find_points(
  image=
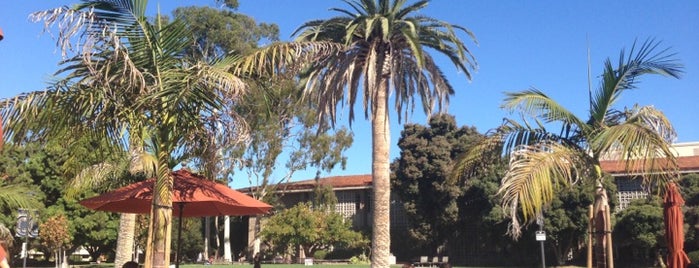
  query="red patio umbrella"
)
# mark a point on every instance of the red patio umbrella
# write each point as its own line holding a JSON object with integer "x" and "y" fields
{"x": 193, "y": 196}
{"x": 674, "y": 229}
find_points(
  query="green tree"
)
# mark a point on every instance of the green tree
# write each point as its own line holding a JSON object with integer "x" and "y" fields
{"x": 566, "y": 219}
{"x": 541, "y": 161}
{"x": 47, "y": 167}
{"x": 689, "y": 188}
{"x": 380, "y": 47}
{"x": 192, "y": 242}
{"x": 640, "y": 232}
{"x": 129, "y": 83}
{"x": 311, "y": 230}
{"x": 220, "y": 32}
{"x": 279, "y": 123}
{"x": 16, "y": 187}
{"x": 421, "y": 179}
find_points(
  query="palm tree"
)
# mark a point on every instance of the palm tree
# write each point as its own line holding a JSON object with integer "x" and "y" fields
{"x": 542, "y": 161}
{"x": 128, "y": 82}
{"x": 379, "y": 46}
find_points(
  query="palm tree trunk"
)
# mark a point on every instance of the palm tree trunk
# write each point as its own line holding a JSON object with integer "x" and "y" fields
{"x": 603, "y": 257}
{"x": 160, "y": 227}
{"x": 381, "y": 231}
{"x": 125, "y": 239}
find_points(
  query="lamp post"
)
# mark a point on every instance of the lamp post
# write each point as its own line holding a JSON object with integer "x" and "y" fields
{"x": 541, "y": 237}
{"x": 26, "y": 228}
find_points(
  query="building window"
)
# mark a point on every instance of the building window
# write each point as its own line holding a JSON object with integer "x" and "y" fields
{"x": 345, "y": 203}
{"x": 629, "y": 189}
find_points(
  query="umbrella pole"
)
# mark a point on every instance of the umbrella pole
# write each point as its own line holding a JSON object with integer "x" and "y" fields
{"x": 179, "y": 237}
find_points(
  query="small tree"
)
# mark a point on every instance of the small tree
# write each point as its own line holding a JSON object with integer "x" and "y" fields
{"x": 55, "y": 236}
{"x": 310, "y": 230}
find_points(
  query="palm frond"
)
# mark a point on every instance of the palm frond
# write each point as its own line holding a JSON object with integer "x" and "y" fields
{"x": 470, "y": 162}
{"x": 90, "y": 177}
{"x": 14, "y": 196}
{"x": 616, "y": 80}
{"x": 638, "y": 144}
{"x": 536, "y": 104}
{"x": 283, "y": 58}
{"x": 536, "y": 172}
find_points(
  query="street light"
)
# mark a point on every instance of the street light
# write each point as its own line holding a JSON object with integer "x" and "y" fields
{"x": 541, "y": 237}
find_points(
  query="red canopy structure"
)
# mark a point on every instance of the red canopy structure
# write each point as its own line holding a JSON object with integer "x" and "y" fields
{"x": 674, "y": 228}
{"x": 193, "y": 196}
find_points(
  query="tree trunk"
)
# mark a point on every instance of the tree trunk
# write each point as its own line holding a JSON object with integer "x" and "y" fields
{"x": 603, "y": 254}
{"x": 160, "y": 226}
{"x": 64, "y": 259}
{"x": 256, "y": 232}
{"x": 227, "y": 239}
{"x": 125, "y": 239}
{"x": 207, "y": 237}
{"x": 381, "y": 200}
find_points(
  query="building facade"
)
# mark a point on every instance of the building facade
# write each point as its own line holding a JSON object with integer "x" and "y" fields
{"x": 630, "y": 186}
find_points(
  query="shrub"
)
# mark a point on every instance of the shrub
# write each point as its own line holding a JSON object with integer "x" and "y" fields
{"x": 320, "y": 254}
{"x": 694, "y": 258}
{"x": 360, "y": 259}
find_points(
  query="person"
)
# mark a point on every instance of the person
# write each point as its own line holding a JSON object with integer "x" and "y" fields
{"x": 4, "y": 263}
{"x": 130, "y": 264}
{"x": 5, "y": 241}
{"x": 257, "y": 260}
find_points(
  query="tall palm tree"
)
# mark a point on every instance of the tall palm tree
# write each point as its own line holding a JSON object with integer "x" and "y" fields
{"x": 128, "y": 82}
{"x": 543, "y": 161}
{"x": 378, "y": 48}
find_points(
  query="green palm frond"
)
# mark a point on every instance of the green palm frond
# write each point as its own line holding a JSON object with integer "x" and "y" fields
{"x": 382, "y": 38}
{"x": 13, "y": 196}
{"x": 641, "y": 144}
{"x": 541, "y": 161}
{"x": 536, "y": 104}
{"x": 616, "y": 80}
{"x": 482, "y": 153}
{"x": 284, "y": 58}
{"x": 89, "y": 178}
{"x": 535, "y": 173}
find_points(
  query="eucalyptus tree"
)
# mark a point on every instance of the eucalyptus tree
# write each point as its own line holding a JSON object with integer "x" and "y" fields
{"x": 542, "y": 161}
{"x": 127, "y": 81}
{"x": 218, "y": 32}
{"x": 373, "y": 49}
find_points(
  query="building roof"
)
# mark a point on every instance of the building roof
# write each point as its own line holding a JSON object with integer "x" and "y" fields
{"x": 346, "y": 182}
{"x": 687, "y": 164}
{"x": 337, "y": 182}
{"x": 687, "y": 159}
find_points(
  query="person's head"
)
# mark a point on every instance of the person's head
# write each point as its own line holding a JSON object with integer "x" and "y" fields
{"x": 6, "y": 238}
{"x": 130, "y": 264}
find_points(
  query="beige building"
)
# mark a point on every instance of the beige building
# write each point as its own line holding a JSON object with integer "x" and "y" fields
{"x": 629, "y": 185}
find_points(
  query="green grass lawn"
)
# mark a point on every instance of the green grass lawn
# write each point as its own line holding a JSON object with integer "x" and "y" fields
{"x": 237, "y": 265}
{"x": 280, "y": 266}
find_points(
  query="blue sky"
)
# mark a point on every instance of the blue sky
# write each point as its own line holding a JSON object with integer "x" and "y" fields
{"x": 521, "y": 44}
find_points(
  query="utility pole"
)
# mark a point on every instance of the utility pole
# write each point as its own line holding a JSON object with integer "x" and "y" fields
{"x": 541, "y": 237}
